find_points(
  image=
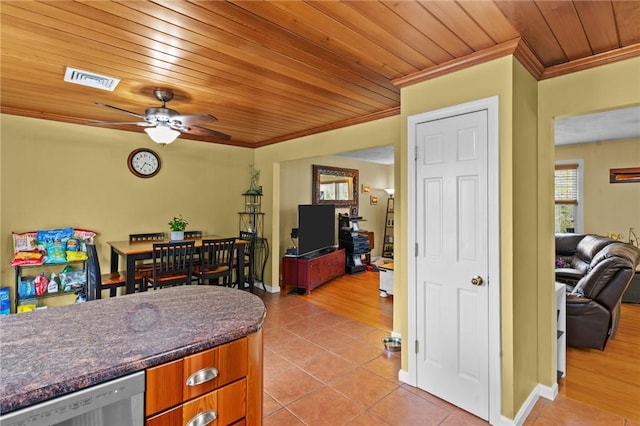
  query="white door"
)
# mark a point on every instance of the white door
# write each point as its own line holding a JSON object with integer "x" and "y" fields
{"x": 452, "y": 309}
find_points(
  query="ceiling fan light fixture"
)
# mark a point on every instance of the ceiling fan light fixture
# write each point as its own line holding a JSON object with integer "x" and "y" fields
{"x": 162, "y": 134}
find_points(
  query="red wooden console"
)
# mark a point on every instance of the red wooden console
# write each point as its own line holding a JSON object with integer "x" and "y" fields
{"x": 309, "y": 273}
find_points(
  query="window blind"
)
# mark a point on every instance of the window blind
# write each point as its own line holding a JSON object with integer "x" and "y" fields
{"x": 566, "y": 184}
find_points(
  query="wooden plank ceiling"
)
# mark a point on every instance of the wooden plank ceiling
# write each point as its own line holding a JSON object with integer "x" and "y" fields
{"x": 274, "y": 70}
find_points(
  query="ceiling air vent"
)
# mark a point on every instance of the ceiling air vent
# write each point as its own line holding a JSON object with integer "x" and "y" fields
{"x": 86, "y": 78}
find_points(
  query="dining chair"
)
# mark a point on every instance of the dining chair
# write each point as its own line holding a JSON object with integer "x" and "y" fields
{"x": 192, "y": 234}
{"x": 144, "y": 267}
{"x": 150, "y": 236}
{"x": 97, "y": 281}
{"x": 216, "y": 261}
{"x": 172, "y": 264}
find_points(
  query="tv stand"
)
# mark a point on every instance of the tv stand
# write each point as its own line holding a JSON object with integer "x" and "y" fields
{"x": 309, "y": 272}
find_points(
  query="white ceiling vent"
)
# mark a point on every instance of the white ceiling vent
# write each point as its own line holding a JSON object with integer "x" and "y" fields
{"x": 86, "y": 78}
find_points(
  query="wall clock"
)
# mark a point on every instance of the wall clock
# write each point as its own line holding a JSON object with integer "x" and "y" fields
{"x": 143, "y": 162}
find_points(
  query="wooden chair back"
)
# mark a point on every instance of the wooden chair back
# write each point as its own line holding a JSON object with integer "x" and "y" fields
{"x": 251, "y": 237}
{"x": 192, "y": 234}
{"x": 151, "y": 236}
{"x": 172, "y": 263}
{"x": 216, "y": 260}
{"x": 97, "y": 281}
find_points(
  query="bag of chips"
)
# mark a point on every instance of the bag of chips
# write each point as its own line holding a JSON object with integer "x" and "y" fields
{"x": 74, "y": 252}
{"x": 54, "y": 242}
{"x": 25, "y": 249}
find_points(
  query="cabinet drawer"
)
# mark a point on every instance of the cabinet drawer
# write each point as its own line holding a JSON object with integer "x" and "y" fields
{"x": 175, "y": 382}
{"x": 164, "y": 386}
{"x": 227, "y": 404}
{"x": 200, "y": 373}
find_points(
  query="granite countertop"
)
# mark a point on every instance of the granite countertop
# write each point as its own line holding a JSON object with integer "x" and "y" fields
{"x": 48, "y": 353}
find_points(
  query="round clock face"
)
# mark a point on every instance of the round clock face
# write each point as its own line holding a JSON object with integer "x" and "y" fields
{"x": 144, "y": 163}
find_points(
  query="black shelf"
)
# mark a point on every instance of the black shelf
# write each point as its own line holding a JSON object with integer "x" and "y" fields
{"x": 355, "y": 245}
{"x": 252, "y": 219}
{"x": 387, "y": 238}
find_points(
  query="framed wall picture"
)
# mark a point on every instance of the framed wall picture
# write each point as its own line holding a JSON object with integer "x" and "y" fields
{"x": 354, "y": 211}
{"x": 629, "y": 174}
{"x": 374, "y": 200}
{"x": 365, "y": 188}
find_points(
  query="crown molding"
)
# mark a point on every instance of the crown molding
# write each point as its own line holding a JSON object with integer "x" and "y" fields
{"x": 479, "y": 57}
{"x": 609, "y": 57}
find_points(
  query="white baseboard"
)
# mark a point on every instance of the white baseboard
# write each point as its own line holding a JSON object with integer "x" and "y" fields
{"x": 547, "y": 392}
{"x": 269, "y": 288}
{"x": 524, "y": 411}
{"x": 404, "y": 377}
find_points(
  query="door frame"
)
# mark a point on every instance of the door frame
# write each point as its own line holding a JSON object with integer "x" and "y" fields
{"x": 491, "y": 105}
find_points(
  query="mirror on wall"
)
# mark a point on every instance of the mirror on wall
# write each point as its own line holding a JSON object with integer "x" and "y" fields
{"x": 335, "y": 185}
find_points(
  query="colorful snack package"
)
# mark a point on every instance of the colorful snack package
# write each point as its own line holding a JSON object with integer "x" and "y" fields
{"x": 54, "y": 242}
{"x": 25, "y": 249}
{"x": 56, "y": 252}
{"x": 24, "y": 241}
{"x": 75, "y": 256}
{"x": 84, "y": 235}
{"x": 74, "y": 252}
{"x": 34, "y": 257}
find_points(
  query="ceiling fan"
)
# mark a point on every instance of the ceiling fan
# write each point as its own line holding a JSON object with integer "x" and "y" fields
{"x": 163, "y": 124}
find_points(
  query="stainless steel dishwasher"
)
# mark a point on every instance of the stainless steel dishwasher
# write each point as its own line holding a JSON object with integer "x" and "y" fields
{"x": 119, "y": 402}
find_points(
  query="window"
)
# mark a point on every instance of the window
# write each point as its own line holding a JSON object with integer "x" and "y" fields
{"x": 568, "y": 211}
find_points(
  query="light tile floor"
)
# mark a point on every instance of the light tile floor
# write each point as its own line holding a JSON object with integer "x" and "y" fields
{"x": 324, "y": 369}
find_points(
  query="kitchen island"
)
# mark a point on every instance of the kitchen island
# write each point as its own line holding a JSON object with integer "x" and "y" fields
{"x": 49, "y": 353}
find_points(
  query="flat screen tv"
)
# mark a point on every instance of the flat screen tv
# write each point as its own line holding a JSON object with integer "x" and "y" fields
{"x": 316, "y": 228}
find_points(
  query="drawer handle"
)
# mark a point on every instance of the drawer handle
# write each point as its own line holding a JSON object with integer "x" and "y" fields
{"x": 202, "y": 376}
{"x": 202, "y": 419}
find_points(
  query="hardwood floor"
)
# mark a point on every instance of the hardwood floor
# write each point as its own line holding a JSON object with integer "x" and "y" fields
{"x": 356, "y": 297}
{"x": 608, "y": 380}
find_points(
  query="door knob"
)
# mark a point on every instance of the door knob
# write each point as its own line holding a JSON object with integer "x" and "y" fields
{"x": 477, "y": 280}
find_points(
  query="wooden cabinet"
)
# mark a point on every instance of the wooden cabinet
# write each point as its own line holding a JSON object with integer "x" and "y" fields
{"x": 224, "y": 406}
{"x": 309, "y": 273}
{"x": 223, "y": 383}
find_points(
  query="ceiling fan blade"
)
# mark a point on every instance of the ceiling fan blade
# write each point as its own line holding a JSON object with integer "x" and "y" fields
{"x": 201, "y": 131}
{"x": 188, "y": 119}
{"x": 119, "y": 123}
{"x": 121, "y": 110}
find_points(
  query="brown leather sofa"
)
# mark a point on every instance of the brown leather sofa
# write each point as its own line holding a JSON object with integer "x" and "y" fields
{"x": 596, "y": 271}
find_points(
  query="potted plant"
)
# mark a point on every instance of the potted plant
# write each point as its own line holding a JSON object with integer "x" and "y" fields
{"x": 178, "y": 225}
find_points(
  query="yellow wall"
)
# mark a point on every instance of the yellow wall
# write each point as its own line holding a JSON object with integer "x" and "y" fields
{"x": 271, "y": 160}
{"x": 57, "y": 175}
{"x": 607, "y": 207}
{"x": 605, "y": 87}
{"x": 295, "y": 188}
{"x": 527, "y": 315}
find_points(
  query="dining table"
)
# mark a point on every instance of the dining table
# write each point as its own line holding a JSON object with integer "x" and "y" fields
{"x": 133, "y": 251}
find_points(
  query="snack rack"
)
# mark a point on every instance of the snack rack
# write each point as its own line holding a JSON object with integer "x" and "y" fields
{"x": 25, "y": 279}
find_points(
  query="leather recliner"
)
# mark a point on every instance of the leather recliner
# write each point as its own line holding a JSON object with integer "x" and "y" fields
{"x": 596, "y": 275}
